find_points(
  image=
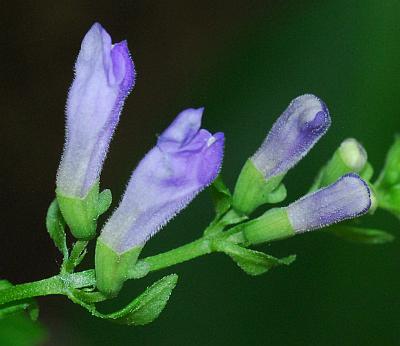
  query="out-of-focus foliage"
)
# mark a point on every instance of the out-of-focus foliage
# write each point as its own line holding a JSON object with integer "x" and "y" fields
{"x": 19, "y": 330}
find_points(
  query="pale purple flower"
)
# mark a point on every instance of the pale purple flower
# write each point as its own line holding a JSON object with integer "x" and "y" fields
{"x": 185, "y": 160}
{"x": 104, "y": 76}
{"x": 347, "y": 198}
{"x": 292, "y": 136}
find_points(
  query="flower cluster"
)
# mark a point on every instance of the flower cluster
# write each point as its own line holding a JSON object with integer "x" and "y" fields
{"x": 185, "y": 160}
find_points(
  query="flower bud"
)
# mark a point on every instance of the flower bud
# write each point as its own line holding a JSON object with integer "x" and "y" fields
{"x": 292, "y": 136}
{"x": 353, "y": 154}
{"x": 349, "y": 157}
{"x": 185, "y": 160}
{"x": 104, "y": 76}
{"x": 347, "y": 198}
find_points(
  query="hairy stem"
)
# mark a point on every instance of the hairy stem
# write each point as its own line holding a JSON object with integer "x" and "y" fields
{"x": 181, "y": 254}
{"x": 55, "y": 285}
{"x": 60, "y": 284}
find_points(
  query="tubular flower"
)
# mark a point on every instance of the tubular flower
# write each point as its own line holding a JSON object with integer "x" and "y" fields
{"x": 292, "y": 136}
{"x": 104, "y": 76}
{"x": 347, "y": 198}
{"x": 184, "y": 161}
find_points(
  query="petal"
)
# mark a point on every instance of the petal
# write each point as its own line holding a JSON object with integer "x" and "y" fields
{"x": 183, "y": 128}
{"x": 165, "y": 182}
{"x": 292, "y": 136}
{"x": 347, "y": 198}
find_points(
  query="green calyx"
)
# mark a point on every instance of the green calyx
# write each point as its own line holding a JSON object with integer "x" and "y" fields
{"x": 253, "y": 190}
{"x": 81, "y": 214}
{"x": 272, "y": 225}
{"x": 112, "y": 268}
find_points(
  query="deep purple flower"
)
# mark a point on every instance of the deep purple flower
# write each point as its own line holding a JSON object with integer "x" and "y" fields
{"x": 347, "y": 198}
{"x": 185, "y": 160}
{"x": 104, "y": 76}
{"x": 292, "y": 136}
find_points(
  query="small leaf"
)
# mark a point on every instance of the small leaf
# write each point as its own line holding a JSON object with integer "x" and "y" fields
{"x": 253, "y": 262}
{"x": 142, "y": 310}
{"x": 105, "y": 199}
{"x": 221, "y": 196}
{"x": 148, "y": 306}
{"x": 362, "y": 235}
{"x": 55, "y": 225}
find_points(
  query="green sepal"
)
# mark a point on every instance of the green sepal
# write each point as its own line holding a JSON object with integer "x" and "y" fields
{"x": 253, "y": 262}
{"x": 55, "y": 225}
{"x": 221, "y": 196}
{"x": 272, "y": 225}
{"x": 112, "y": 268}
{"x": 253, "y": 190}
{"x": 143, "y": 309}
{"x": 28, "y": 305}
{"x": 104, "y": 202}
{"x": 80, "y": 214}
{"x": 362, "y": 235}
{"x": 276, "y": 196}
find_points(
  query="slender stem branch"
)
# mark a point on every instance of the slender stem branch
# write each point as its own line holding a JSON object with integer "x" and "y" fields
{"x": 181, "y": 254}
{"x": 77, "y": 253}
{"x": 62, "y": 283}
{"x": 55, "y": 285}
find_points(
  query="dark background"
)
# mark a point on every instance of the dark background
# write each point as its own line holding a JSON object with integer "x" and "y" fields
{"x": 244, "y": 61}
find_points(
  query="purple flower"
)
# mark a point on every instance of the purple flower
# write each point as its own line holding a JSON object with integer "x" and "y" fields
{"x": 185, "y": 160}
{"x": 347, "y": 198}
{"x": 292, "y": 136}
{"x": 104, "y": 76}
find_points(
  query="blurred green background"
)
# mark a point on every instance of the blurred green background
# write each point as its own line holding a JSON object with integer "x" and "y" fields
{"x": 244, "y": 61}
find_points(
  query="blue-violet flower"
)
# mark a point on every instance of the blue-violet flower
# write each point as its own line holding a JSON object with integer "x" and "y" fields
{"x": 347, "y": 198}
{"x": 104, "y": 76}
{"x": 185, "y": 160}
{"x": 292, "y": 136}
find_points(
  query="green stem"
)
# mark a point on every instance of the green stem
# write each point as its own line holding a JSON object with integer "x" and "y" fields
{"x": 181, "y": 254}
{"x": 62, "y": 283}
{"x": 77, "y": 254}
{"x": 55, "y": 285}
